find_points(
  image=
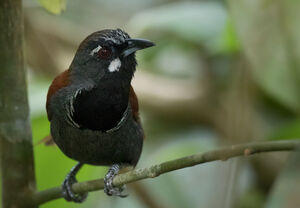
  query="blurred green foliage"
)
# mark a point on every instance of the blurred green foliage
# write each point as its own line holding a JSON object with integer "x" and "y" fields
{"x": 285, "y": 192}
{"x": 54, "y": 6}
{"x": 200, "y": 23}
{"x": 270, "y": 38}
{"x": 252, "y": 199}
{"x": 291, "y": 130}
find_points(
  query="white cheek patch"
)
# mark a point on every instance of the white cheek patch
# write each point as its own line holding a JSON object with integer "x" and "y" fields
{"x": 114, "y": 65}
{"x": 95, "y": 50}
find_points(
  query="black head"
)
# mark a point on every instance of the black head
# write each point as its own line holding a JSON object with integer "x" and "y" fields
{"x": 107, "y": 53}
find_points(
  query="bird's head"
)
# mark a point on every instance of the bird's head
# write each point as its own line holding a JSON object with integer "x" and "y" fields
{"x": 107, "y": 53}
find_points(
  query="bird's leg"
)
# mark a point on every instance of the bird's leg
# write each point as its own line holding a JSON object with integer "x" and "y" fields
{"x": 109, "y": 189}
{"x": 70, "y": 179}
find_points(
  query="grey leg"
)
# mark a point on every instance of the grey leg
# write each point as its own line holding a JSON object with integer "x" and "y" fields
{"x": 70, "y": 179}
{"x": 109, "y": 189}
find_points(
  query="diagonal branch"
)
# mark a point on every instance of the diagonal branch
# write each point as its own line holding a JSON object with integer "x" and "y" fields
{"x": 156, "y": 170}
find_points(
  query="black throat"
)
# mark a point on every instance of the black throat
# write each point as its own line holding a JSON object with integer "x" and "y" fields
{"x": 102, "y": 107}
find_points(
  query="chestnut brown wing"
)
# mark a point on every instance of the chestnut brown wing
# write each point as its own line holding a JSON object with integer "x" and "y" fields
{"x": 61, "y": 81}
{"x": 134, "y": 104}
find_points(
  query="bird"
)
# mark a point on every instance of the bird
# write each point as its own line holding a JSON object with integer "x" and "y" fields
{"x": 93, "y": 109}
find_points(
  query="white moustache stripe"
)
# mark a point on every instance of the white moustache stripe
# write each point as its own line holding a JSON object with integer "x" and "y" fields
{"x": 114, "y": 65}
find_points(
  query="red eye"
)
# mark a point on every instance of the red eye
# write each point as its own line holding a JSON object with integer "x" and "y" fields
{"x": 104, "y": 53}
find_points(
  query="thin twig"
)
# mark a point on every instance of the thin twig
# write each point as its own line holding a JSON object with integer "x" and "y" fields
{"x": 156, "y": 170}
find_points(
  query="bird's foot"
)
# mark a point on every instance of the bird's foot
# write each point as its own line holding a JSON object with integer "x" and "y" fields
{"x": 109, "y": 189}
{"x": 67, "y": 192}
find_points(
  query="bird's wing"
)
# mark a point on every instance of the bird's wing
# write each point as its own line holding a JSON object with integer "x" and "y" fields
{"x": 134, "y": 105}
{"x": 61, "y": 81}
{"x": 135, "y": 108}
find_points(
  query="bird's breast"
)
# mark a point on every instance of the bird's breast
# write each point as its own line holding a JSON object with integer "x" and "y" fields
{"x": 99, "y": 148}
{"x": 102, "y": 107}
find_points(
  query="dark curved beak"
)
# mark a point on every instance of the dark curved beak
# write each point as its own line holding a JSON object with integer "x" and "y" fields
{"x": 134, "y": 45}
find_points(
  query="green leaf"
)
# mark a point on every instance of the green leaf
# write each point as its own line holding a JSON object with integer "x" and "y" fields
{"x": 54, "y": 6}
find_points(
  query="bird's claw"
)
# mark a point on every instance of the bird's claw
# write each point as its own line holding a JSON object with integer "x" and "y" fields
{"x": 109, "y": 189}
{"x": 67, "y": 192}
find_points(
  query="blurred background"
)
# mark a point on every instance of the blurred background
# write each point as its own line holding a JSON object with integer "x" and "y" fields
{"x": 222, "y": 72}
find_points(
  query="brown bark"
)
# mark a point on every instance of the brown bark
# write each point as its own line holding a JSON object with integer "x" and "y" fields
{"x": 17, "y": 165}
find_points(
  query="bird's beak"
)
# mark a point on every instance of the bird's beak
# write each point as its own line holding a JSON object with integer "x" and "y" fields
{"x": 134, "y": 45}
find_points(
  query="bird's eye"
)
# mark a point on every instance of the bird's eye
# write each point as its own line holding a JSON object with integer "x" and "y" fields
{"x": 104, "y": 53}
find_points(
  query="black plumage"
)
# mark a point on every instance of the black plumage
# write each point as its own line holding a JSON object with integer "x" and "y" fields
{"x": 93, "y": 109}
{"x": 102, "y": 107}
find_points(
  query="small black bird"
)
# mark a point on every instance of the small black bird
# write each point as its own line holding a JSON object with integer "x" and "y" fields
{"x": 93, "y": 108}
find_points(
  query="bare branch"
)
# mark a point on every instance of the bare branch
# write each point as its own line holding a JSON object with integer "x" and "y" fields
{"x": 156, "y": 170}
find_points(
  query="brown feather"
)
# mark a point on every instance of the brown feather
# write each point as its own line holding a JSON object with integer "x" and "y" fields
{"x": 48, "y": 141}
{"x": 61, "y": 81}
{"x": 134, "y": 104}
